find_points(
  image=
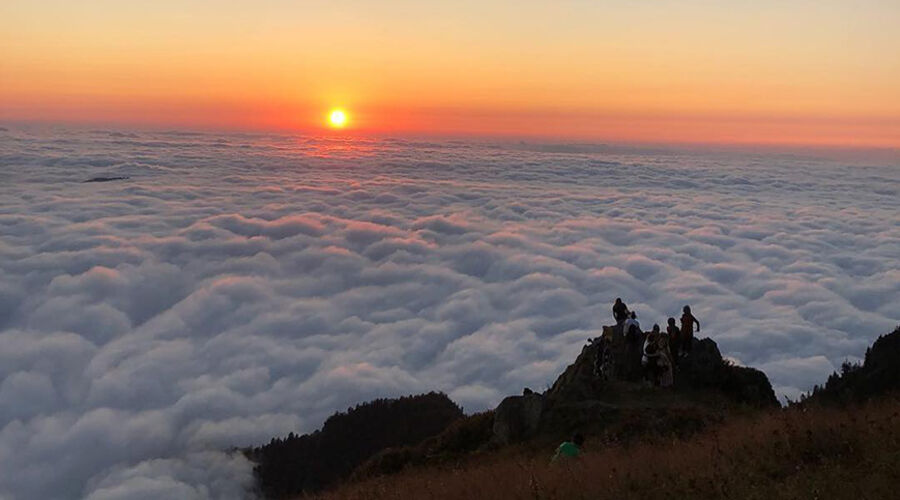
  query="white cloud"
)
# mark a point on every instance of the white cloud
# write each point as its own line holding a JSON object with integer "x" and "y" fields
{"x": 224, "y": 295}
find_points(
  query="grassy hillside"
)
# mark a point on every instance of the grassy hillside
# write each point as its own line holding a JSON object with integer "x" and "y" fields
{"x": 717, "y": 433}
{"x": 824, "y": 452}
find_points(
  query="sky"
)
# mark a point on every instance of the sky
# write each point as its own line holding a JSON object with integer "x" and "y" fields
{"x": 820, "y": 72}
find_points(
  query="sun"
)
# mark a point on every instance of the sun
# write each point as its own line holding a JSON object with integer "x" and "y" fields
{"x": 337, "y": 118}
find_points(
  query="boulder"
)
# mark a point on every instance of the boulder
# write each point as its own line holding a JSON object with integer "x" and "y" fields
{"x": 605, "y": 378}
{"x": 705, "y": 368}
{"x": 580, "y": 380}
{"x": 702, "y": 366}
{"x": 517, "y": 418}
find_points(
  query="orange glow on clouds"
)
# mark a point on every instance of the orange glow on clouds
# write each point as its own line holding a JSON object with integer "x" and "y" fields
{"x": 769, "y": 72}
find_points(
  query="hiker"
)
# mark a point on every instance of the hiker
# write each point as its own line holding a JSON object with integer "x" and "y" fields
{"x": 650, "y": 356}
{"x": 664, "y": 363}
{"x": 620, "y": 311}
{"x": 674, "y": 339}
{"x": 634, "y": 339}
{"x": 609, "y": 344}
{"x": 631, "y": 328}
{"x": 569, "y": 449}
{"x": 687, "y": 329}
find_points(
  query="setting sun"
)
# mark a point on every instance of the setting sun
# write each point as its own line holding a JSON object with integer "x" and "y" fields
{"x": 337, "y": 118}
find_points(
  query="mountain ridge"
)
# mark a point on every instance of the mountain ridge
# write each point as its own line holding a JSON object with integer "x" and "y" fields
{"x": 434, "y": 429}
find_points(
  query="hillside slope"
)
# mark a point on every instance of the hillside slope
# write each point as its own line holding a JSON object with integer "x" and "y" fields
{"x": 829, "y": 452}
{"x": 386, "y": 436}
{"x": 846, "y": 449}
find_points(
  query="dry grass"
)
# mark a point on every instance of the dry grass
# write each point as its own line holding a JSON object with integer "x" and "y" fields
{"x": 790, "y": 454}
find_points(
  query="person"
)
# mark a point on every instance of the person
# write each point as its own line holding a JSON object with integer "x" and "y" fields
{"x": 620, "y": 311}
{"x": 674, "y": 339}
{"x": 569, "y": 449}
{"x": 650, "y": 356}
{"x": 634, "y": 339}
{"x": 631, "y": 327}
{"x": 608, "y": 344}
{"x": 665, "y": 366}
{"x": 687, "y": 329}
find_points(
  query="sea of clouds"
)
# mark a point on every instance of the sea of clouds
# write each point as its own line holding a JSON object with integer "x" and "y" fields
{"x": 240, "y": 287}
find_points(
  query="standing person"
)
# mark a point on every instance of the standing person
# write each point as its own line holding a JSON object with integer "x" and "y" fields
{"x": 634, "y": 339}
{"x": 664, "y": 365}
{"x": 674, "y": 339}
{"x": 651, "y": 356}
{"x": 631, "y": 328}
{"x": 687, "y": 329}
{"x": 620, "y": 311}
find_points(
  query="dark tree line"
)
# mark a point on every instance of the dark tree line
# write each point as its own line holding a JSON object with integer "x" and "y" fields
{"x": 878, "y": 374}
{"x": 310, "y": 462}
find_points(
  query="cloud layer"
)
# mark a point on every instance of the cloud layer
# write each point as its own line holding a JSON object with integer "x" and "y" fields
{"x": 240, "y": 287}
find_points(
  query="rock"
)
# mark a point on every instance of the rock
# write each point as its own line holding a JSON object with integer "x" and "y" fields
{"x": 701, "y": 366}
{"x": 704, "y": 368}
{"x": 748, "y": 385}
{"x": 517, "y": 418}
{"x": 591, "y": 377}
{"x": 579, "y": 381}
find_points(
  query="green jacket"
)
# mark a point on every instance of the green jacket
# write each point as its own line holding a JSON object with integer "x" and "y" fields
{"x": 566, "y": 450}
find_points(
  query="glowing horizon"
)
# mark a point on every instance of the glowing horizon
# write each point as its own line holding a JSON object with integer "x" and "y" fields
{"x": 810, "y": 73}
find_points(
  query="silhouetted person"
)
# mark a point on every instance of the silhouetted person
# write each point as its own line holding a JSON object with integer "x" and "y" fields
{"x": 634, "y": 339}
{"x": 620, "y": 311}
{"x": 569, "y": 449}
{"x": 687, "y": 329}
{"x": 631, "y": 328}
{"x": 651, "y": 355}
{"x": 674, "y": 339}
{"x": 664, "y": 364}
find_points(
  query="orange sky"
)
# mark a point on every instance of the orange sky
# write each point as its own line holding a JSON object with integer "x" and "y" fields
{"x": 815, "y": 72}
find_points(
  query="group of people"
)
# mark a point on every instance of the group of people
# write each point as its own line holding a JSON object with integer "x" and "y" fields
{"x": 659, "y": 350}
{"x": 659, "y": 353}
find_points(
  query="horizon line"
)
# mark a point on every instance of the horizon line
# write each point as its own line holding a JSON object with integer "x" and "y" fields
{"x": 526, "y": 138}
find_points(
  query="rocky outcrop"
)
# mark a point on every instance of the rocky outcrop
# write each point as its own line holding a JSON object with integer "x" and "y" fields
{"x": 580, "y": 381}
{"x": 595, "y": 389}
{"x": 706, "y": 369}
{"x": 517, "y": 418}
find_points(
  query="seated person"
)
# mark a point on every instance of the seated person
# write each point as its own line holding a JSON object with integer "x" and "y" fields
{"x": 569, "y": 449}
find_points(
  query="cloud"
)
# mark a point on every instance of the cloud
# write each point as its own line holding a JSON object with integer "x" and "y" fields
{"x": 197, "y": 476}
{"x": 241, "y": 287}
